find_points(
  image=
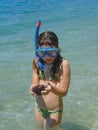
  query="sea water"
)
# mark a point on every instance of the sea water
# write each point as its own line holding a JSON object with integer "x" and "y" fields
{"x": 76, "y": 24}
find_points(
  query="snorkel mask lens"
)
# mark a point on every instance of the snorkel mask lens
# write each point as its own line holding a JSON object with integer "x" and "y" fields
{"x": 43, "y": 52}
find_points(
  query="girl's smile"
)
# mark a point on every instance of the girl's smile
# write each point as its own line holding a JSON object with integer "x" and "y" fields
{"x": 48, "y": 60}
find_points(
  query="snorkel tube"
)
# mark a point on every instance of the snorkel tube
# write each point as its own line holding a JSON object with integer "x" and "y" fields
{"x": 38, "y": 24}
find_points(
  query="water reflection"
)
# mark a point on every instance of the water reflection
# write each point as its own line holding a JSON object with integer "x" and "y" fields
{"x": 72, "y": 126}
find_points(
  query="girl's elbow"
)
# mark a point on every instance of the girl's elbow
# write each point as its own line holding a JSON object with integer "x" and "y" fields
{"x": 64, "y": 93}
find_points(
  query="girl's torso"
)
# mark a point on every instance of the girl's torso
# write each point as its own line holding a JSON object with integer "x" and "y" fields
{"x": 51, "y": 101}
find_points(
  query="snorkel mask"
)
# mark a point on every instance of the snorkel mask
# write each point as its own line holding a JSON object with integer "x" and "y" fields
{"x": 42, "y": 52}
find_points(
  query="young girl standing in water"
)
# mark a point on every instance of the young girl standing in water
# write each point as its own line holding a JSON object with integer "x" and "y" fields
{"x": 50, "y": 81}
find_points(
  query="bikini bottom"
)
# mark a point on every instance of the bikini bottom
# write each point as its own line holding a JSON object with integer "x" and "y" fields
{"x": 47, "y": 113}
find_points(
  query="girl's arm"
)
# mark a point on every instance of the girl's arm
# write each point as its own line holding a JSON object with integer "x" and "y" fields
{"x": 35, "y": 78}
{"x": 61, "y": 88}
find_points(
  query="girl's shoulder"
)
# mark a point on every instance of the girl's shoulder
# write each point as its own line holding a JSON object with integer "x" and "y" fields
{"x": 65, "y": 62}
{"x": 65, "y": 65}
{"x": 35, "y": 60}
{"x": 35, "y": 63}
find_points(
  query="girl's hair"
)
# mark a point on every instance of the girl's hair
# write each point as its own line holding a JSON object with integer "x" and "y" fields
{"x": 47, "y": 38}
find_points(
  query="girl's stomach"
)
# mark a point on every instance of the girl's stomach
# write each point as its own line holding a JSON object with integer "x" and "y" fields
{"x": 50, "y": 102}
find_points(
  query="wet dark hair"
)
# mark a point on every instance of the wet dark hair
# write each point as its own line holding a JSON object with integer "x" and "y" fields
{"x": 47, "y": 38}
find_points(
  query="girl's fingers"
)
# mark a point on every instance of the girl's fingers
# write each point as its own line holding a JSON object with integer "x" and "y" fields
{"x": 50, "y": 84}
{"x": 34, "y": 94}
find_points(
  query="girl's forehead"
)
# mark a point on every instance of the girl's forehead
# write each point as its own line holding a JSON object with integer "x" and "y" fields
{"x": 44, "y": 45}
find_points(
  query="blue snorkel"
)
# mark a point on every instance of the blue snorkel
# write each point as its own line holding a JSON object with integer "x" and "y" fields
{"x": 36, "y": 34}
{"x": 38, "y": 24}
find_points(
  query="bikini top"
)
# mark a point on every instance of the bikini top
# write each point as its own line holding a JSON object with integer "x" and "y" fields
{"x": 47, "y": 74}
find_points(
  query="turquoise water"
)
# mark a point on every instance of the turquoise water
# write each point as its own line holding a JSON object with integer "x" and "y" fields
{"x": 76, "y": 24}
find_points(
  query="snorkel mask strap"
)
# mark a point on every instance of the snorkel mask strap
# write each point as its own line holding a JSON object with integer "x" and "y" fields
{"x": 38, "y": 24}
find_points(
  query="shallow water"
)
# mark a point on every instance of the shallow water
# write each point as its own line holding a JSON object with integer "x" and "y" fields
{"x": 76, "y": 24}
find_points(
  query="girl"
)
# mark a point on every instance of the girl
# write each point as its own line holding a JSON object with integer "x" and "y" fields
{"x": 52, "y": 72}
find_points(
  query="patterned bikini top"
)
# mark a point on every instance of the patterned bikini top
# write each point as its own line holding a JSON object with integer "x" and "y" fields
{"x": 47, "y": 74}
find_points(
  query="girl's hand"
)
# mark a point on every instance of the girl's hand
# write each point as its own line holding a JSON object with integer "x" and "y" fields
{"x": 48, "y": 88}
{"x": 31, "y": 90}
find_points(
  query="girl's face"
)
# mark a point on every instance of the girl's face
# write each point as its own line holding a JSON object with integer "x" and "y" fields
{"x": 47, "y": 53}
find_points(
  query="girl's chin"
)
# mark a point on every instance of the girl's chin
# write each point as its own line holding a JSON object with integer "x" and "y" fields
{"x": 48, "y": 60}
